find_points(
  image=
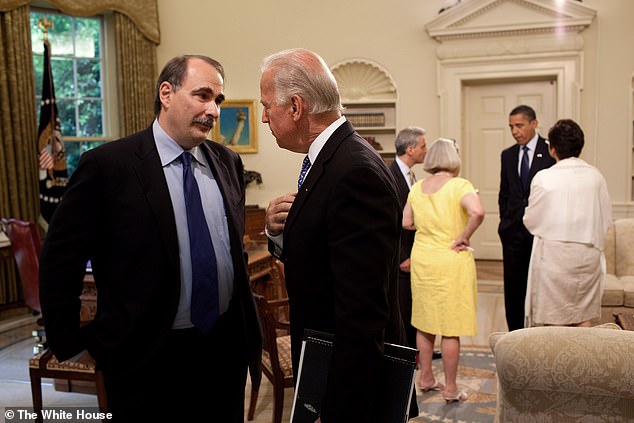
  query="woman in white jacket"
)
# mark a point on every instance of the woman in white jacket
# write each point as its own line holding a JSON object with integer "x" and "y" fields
{"x": 568, "y": 213}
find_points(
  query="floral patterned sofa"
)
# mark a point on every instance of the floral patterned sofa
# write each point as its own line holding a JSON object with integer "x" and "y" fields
{"x": 618, "y": 295}
{"x": 565, "y": 374}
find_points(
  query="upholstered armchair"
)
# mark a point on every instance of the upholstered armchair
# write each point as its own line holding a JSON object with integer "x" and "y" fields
{"x": 618, "y": 296}
{"x": 565, "y": 374}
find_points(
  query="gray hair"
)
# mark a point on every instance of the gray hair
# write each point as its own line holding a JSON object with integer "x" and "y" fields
{"x": 443, "y": 154}
{"x": 304, "y": 73}
{"x": 407, "y": 137}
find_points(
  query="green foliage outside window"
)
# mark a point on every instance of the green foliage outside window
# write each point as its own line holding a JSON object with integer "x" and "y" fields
{"x": 76, "y": 65}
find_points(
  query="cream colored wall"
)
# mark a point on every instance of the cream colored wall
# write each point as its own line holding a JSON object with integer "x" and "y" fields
{"x": 606, "y": 100}
{"x": 240, "y": 34}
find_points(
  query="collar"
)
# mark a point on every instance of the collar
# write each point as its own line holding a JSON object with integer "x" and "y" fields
{"x": 169, "y": 150}
{"x": 532, "y": 144}
{"x": 571, "y": 162}
{"x": 320, "y": 141}
{"x": 401, "y": 165}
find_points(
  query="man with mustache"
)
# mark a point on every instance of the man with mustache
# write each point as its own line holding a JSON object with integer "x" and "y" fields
{"x": 160, "y": 214}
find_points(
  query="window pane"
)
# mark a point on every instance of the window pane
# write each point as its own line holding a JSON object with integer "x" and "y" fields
{"x": 38, "y": 68}
{"x": 77, "y": 71}
{"x": 63, "y": 79}
{"x": 87, "y": 38}
{"x": 66, "y": 109}
{"x": 90, "y": 118}
{"x": 61, "y": 35}
{"x": 75, "y": 149}
{"x": 36, "y": 34}
{"x": 88, "y": 78}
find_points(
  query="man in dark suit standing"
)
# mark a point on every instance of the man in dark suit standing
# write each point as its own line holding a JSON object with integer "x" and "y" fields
{"x": 338, "y": 236}
{"x": 520, "y": 163}
{"x": 411, "y": 148}
{"x": 128, "y": 210}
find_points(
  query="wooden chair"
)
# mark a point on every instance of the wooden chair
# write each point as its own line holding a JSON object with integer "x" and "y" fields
{"x": 276, "y": 355}
{"x": 25, "y": 244}
{"x": 278, "y": 267}
{"x": 46, "y": 365}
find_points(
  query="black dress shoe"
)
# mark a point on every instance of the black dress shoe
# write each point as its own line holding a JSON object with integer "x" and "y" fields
{"x": 436, "y": 355}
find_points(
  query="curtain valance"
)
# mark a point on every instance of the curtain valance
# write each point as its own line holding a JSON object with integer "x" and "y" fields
{"x": 144, "y": 13}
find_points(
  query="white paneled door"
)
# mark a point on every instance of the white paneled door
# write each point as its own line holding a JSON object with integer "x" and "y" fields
{"x": 486, "y": 133}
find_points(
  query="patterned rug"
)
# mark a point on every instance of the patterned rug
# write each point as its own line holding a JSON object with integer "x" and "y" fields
{"x": 477, "y": 377}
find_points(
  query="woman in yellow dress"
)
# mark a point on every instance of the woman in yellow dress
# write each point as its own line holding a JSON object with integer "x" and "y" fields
{"x": 445, "y": 211}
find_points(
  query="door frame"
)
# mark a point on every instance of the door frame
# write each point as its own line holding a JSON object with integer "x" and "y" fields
{"x": 454, "y": 74}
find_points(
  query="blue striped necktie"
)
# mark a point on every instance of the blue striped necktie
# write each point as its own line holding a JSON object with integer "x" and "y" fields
{"x": 204, "y": 299}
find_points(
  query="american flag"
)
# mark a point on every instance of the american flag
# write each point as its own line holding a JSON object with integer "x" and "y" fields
{"x": 52, "y": 154}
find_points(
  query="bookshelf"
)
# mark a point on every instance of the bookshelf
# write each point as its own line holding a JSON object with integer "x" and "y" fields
{"x": 374, "y": 121}
{"x": 369, "y": 97}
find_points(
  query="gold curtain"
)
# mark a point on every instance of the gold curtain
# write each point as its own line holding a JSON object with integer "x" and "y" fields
{"x": 136, "y": 73}
{"x": 19, "y": 196}
{"x": 137, "y": 34}
{"x": 18, "y": 155}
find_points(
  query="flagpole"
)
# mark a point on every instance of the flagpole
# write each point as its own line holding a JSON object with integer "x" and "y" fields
{"x": 44, "y": 24}
{"x": 52, "y": 154}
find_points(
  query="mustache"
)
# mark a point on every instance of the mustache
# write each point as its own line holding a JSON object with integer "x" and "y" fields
{"x": 204, "y": 121}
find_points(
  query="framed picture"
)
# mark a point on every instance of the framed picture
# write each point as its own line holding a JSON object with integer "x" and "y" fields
{"x": 236, "y": 127}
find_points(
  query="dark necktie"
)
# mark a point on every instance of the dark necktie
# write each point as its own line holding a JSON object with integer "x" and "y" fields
{"x": 524, "y": 168}
{"x": 204, "y": 299}
{"x": 303, "y": 172}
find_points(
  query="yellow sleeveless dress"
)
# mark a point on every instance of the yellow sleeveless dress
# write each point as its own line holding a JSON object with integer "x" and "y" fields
{"x": 444, "y": 284}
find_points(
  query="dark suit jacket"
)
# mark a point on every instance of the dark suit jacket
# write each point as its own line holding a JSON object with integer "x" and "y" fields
{"x": 117, "y": 212}
{"x": 513, "y": 199}
{"x": 341, "y": 259}
{"x": 407, "y": 237}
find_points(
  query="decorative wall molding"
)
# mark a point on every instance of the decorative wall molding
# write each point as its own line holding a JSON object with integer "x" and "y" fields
{"x": 509, "y": 18}
{"x": 509, "y": 46}
{"x": 453, "y": 75}
{"x": 621, "y": 210}
{"x": 488, "y": 40}
{"x": 364, "y": 80}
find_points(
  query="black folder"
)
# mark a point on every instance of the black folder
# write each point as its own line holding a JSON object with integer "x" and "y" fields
{"x": 397, "y": 380}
